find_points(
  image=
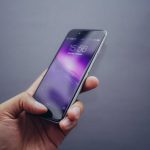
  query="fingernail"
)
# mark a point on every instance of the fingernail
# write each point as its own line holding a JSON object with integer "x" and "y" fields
{"x": 76, "y": 111}
{"x": 67, "y": 123}
{"x": 40, "y": 106}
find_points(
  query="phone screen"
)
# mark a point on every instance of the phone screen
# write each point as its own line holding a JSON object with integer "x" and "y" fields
{"x": 62, "y": 80}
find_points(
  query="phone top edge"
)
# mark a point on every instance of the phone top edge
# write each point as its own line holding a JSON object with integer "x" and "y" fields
{"x": 88, "y": 29}
{"x": 102, "y": 30}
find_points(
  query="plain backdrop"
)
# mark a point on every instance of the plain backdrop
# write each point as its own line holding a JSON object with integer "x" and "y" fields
{"x": 117, "y": 114}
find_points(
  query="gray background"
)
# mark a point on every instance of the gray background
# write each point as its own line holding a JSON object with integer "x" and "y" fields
{"x": 117, "y": 114}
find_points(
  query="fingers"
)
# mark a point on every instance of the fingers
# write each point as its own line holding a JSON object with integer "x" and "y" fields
{"x": 75, "y": 111}
{"x": 28, "y": 103}
{"x": 73, "y": 115}
{"x": 19, "y": 103}
{"x": 90, "y": 83}
{"x": 31, "y": 90}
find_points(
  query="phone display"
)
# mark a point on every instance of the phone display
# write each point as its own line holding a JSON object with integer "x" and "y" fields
{"x": 67, "y": 71}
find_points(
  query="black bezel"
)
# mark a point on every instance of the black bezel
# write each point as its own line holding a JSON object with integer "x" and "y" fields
{"x": 72, "y": 31}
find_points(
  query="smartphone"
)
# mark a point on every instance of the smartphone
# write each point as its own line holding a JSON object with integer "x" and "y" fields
{"x": 67, "y": 72}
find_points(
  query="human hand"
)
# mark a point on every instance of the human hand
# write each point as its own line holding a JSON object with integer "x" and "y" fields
{"x": 21, "y": 131}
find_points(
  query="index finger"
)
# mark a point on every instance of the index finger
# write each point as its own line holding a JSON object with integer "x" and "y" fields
{"x": 31, "y": 90}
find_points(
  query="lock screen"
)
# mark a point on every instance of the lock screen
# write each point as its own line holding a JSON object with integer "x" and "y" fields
{"x": 67, "y": 70}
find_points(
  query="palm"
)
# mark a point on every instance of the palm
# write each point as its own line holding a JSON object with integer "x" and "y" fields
{"x": 37, "y": 133}
{"x": 30, "y": 132}
{"x": 21, "y": 130}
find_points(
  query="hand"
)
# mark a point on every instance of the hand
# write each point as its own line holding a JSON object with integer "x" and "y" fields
{"x": 20, "y": 130}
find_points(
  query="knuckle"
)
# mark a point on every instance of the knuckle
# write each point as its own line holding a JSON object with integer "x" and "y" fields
{"x": 24, "y": 95}
{"x": 23, "y": 99}
{"x": 74, "y": 125}
{"x": 80, "y": 105}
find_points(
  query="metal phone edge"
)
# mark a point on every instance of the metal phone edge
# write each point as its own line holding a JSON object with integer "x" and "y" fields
{"x": 86, "y": 75}
{"x": 90, "y": 67}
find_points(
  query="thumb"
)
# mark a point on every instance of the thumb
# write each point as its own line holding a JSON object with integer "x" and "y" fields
{"x": 21, "y": 102}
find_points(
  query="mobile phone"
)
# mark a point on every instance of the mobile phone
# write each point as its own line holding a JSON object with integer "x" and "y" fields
{"x": 67, "y": 72}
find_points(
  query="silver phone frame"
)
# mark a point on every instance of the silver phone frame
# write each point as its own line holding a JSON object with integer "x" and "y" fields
{"x": 83, "y": 80}
{"x": 89, "y": 68}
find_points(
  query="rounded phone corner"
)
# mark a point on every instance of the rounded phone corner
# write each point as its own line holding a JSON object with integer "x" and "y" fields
{"x": 105, "y": 32}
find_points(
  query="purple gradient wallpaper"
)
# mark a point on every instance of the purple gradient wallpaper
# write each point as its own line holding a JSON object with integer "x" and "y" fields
{"x": 61, "y": 81}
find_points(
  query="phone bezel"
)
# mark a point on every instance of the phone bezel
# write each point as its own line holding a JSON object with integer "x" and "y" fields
{"x": 97, "y": 50}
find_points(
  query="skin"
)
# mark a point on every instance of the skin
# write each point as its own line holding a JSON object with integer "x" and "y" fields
{"x": 19, "y": 130}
